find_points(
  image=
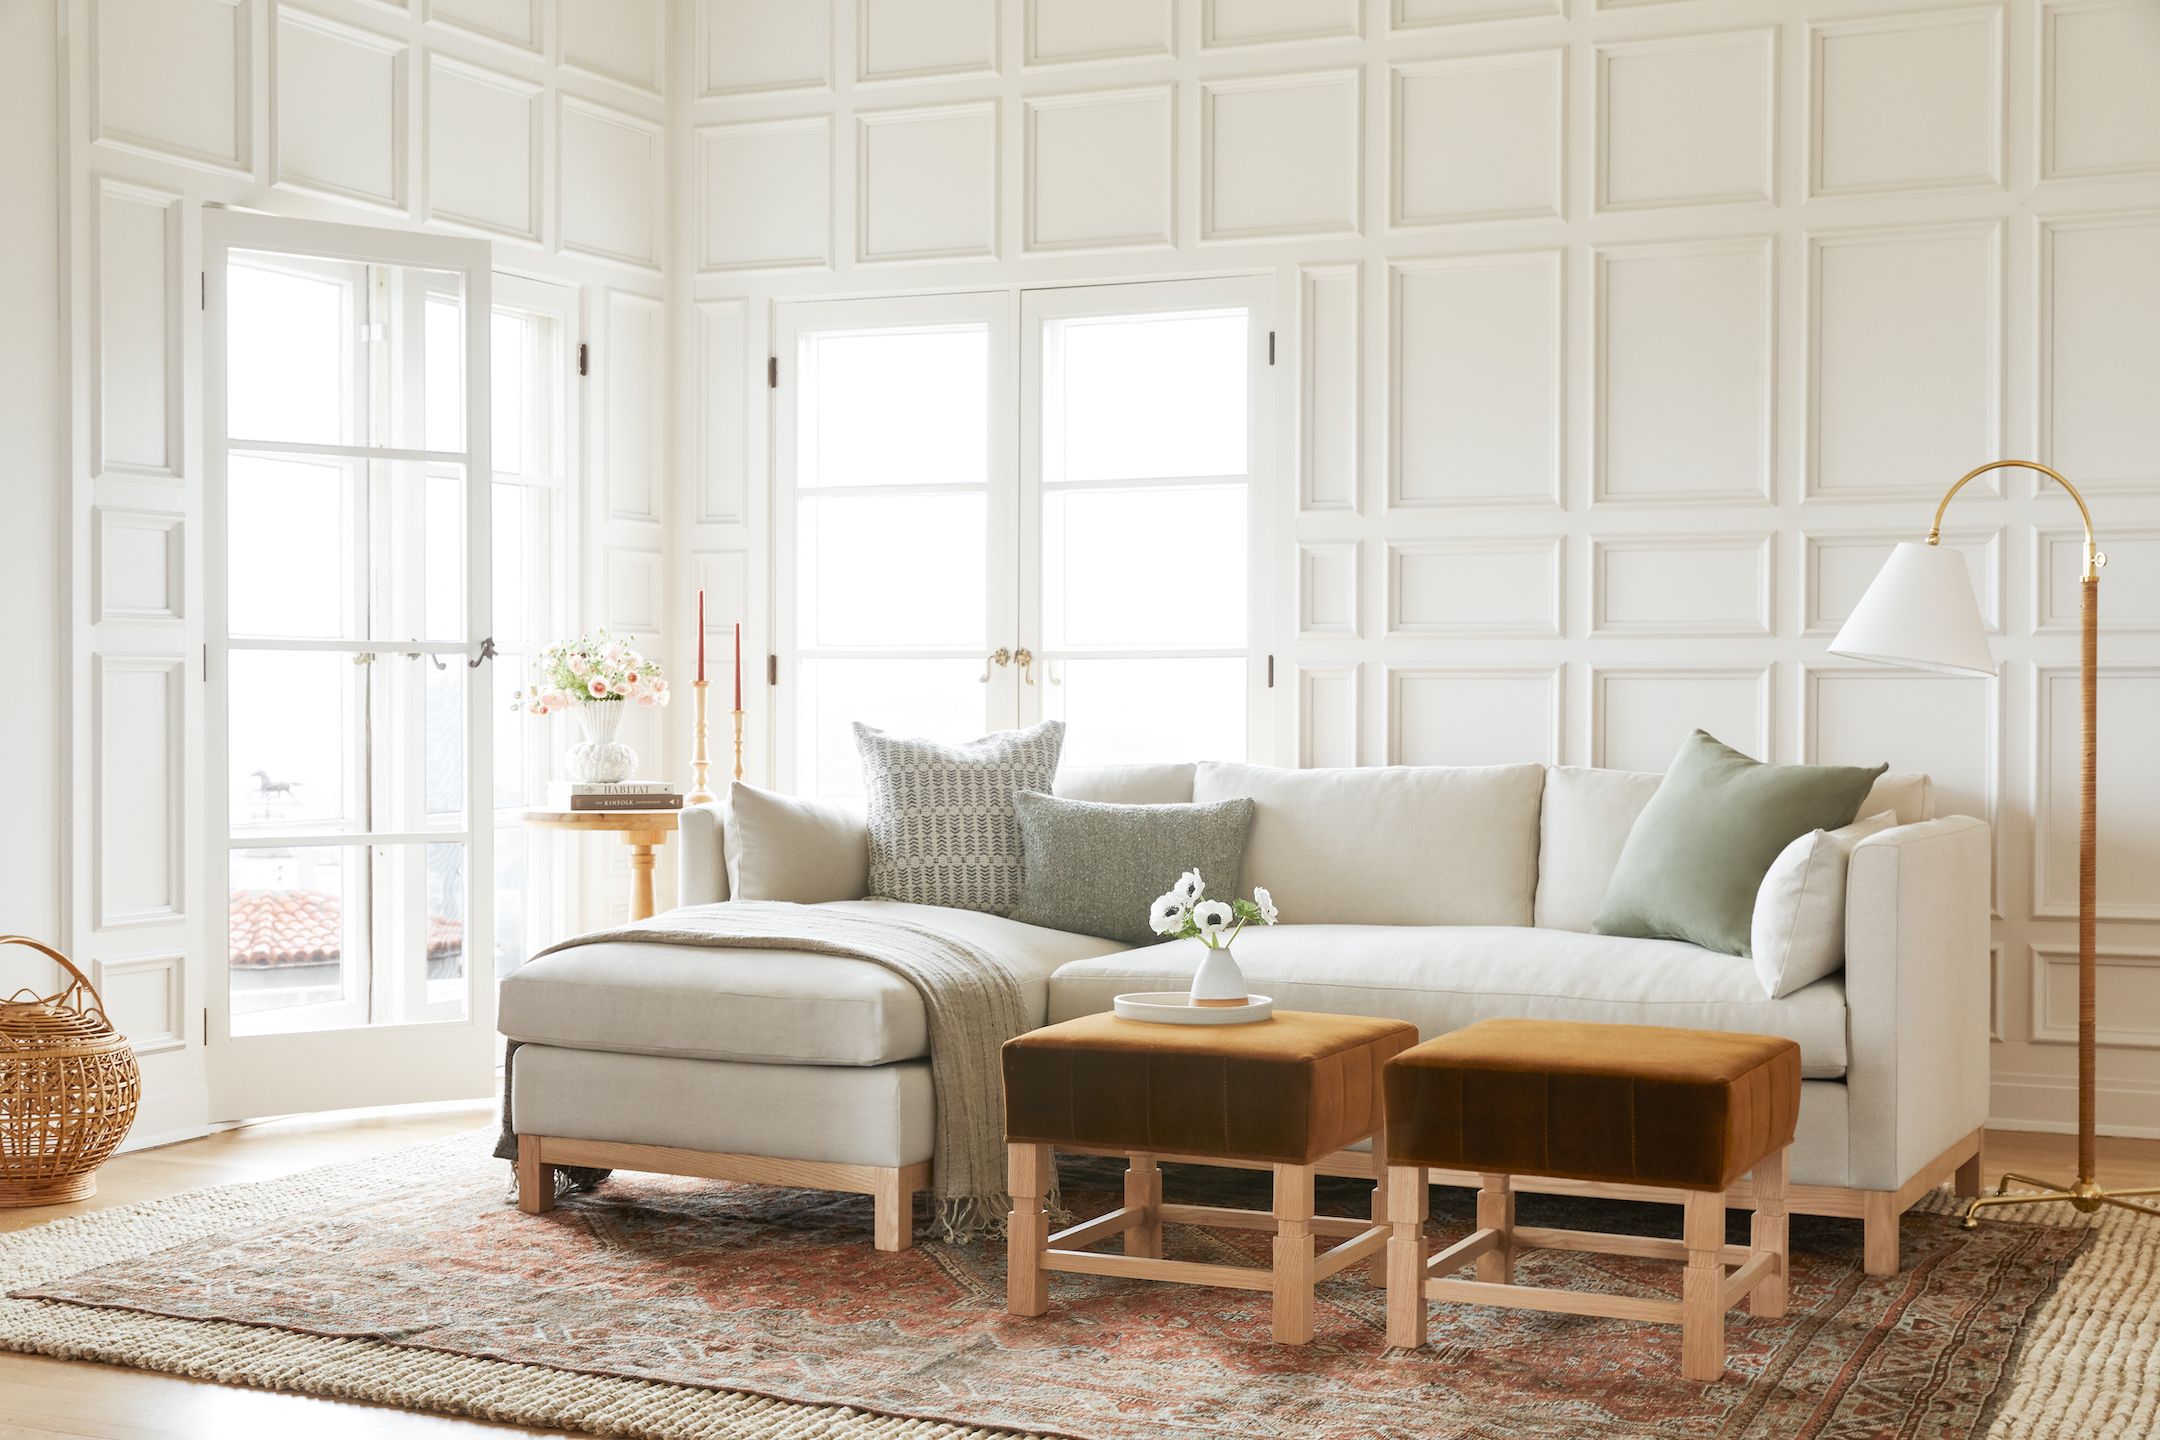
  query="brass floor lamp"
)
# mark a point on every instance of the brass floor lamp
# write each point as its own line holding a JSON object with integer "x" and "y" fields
{"x": 1920, "y": 614}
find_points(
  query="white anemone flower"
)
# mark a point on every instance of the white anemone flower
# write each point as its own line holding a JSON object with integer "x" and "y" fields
{"x": 1167, "y": 915}
{"x": 1213, "y": 917}
{"x": 1189, "y": 888}
{"x": 1266, "y": 902}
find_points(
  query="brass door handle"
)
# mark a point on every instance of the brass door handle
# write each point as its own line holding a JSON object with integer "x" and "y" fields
{"x": 1025, "y": 659}
{"x": 999, "y": 656}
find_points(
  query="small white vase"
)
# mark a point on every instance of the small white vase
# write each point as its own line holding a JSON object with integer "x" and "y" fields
{"x": 1218, "y": 981}
{"x": 600, "y": 758}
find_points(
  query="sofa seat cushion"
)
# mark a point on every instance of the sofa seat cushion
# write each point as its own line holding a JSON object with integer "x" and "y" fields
{"x": 772, "y": 1007}
{"x": 1442, "y": 978}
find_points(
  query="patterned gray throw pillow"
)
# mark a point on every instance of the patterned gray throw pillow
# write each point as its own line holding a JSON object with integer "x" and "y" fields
{"x": 1096, "y": 868}
{"x": 942, "y": 828}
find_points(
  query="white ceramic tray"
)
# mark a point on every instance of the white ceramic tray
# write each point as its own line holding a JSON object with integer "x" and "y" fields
{"x": 1175, "y": 1007}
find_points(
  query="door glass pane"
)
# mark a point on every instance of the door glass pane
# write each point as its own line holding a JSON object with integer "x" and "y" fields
{"x": 293, "y": 741}
{"x": 1121, "y": 712}
{"x": 897, "y": 570}
{"x": 289, "y": 547}
{"x": 509, "y": 338}
{"x": 1137, "y": 397}
{"x": 297, "y": 932}
{"x": 1189, "y": 590}
{"x": 895, "y": 407}
{"x": 934, "y": 699}
{"x": 292, "y": 348}
{"x": 443, "y": 900}
{"x": 332, "y": 352}
{"x": 416, "y": 524}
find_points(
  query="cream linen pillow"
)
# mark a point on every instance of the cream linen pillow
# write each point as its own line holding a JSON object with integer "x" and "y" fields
{"x": 1798, "y": 935}
{"x": 783, "y": 847}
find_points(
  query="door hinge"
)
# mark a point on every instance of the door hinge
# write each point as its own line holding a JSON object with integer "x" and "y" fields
{"x": 584, "y": 359}
{"x": 1271, "y": 672}
{"x": 204, "y": 277}
{"x": 772, "y": 372}
{"x": 1270, "y": 347}
{"x": 206, "y": 664}
{"x": 206, "y": 1027}
{"x": 772, "y": 669}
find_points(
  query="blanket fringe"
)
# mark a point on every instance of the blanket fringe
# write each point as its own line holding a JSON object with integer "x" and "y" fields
{"x": 962, "y": 1219}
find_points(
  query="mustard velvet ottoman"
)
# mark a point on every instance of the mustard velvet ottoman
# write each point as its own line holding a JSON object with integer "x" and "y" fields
{"x": 1279, "y": 1094}
{"x": 1637, "y": 1105}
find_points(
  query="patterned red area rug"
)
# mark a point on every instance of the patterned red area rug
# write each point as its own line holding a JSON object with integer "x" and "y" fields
{"x": 778, "y": 1292}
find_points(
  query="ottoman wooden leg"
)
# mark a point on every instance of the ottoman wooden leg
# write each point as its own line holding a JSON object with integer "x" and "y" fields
{"x": 1496, "y": 1211}
{"x": 1143, "y": 1196}
{"x": 1702, "y": 1302}
{"x": 1027, "y": 1233}
{"x": 536, "y": 1180}
{"x": 1407, "y": 1197}
{"x": 1376, "y": 1272}
{"x": 1293, "y": 1254}
{"x": 1770, "y": 1233}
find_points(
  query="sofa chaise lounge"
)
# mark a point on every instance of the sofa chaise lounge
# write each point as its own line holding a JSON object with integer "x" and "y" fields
{"x": 1436, "y": 896}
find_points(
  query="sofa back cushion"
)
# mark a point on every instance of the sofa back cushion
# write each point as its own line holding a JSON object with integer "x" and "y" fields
{"x": 1587, "y": 815}
{"x": 1126, "y": 784}
{"x": 1394, "y": 846}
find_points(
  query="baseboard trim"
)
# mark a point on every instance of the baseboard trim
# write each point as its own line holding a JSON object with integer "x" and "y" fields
{"x": 2047, "y": 1105}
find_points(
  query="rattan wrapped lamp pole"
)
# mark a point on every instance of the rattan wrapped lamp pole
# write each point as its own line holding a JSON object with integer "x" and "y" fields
{"x": 68, "y": 1089}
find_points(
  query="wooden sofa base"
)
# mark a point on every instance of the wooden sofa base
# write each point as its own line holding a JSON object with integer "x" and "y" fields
{"x": 892, "y": 1188}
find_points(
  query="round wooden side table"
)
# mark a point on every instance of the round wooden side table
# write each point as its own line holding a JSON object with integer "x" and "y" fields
{"x": 641, "y": 830}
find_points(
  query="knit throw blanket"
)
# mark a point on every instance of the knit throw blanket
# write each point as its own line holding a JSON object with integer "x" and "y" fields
{"x": 972, "y": 999}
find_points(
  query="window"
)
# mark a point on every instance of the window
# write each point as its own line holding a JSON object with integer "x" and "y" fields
{"x": 990, "y": 516}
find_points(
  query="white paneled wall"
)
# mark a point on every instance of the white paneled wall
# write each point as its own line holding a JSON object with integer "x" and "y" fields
{"x": 540, "y": 124}
{"x": 1622, "y": 340}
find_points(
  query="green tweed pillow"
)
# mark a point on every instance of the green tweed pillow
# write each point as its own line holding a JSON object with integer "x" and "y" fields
{"x": 1700, "y": 848}
{"x": 1095, "y": 869}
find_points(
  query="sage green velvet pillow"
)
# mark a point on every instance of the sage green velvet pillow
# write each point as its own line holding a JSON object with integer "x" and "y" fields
{"x": 1095, "y": 868}
{"x": 1699, "y": 850}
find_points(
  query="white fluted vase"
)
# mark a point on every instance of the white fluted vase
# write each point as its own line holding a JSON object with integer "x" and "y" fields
{"x": 600, "y": 758}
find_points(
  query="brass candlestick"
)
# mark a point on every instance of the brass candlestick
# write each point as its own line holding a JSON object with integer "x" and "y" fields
{"x": 700, "y": 793}
{"x": 738, "y": 742}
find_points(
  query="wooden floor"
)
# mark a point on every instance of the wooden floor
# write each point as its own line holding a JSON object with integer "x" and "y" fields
{"x": 53, "y": 1397}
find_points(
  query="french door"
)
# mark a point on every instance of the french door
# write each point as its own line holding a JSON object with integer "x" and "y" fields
{"x": 347, "y": 434}
{"x": 998, "y": 508}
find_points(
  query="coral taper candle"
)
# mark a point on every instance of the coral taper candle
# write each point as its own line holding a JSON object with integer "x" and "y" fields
{"x": 738, "y": 665}
{"x": 701, "y": 633}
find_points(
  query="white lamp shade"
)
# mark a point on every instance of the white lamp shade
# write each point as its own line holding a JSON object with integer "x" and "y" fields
{"x": 1920, "y": 614}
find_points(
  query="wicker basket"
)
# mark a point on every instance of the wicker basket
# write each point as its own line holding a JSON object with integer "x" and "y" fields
{"x": 68, "y": 1089}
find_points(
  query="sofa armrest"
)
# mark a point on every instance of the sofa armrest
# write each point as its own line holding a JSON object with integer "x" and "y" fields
{"x": 1916, "y": 991}
{"x": 701, "y": 856}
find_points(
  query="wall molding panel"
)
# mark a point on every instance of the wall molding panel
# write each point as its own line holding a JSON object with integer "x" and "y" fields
{"x": 1836, "y": 567}
{"x": 200, "y": 114}
{"x": 1495, "y": 587}
{"x": 1327, "y": 731}
{"x": 139, "y": 567}
{"x": 338, "y": 108}
{"x": 138, "y": 742}
{"x": 1906, "y": 102}
{"x": 1469, "y": 715}
{"x": 2098, "y": 311}
{"x": 2129, "y": 995}
{"x": 138, "y": 405}
{"x": 1675, "y": 585}
{"x": 2129, "y": 840}
{"x": 146, "y": 996}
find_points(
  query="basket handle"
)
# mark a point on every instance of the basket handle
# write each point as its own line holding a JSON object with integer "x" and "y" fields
{"x": 61, "y": 960}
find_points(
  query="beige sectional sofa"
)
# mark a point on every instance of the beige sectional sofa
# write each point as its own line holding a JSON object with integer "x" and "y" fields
{"x": 1437, "y": 896}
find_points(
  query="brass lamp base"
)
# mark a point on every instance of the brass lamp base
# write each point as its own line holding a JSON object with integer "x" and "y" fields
{"x": 2086, "y": 1197}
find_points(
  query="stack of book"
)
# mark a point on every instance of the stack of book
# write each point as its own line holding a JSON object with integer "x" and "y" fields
{"x": 623, "y": 795}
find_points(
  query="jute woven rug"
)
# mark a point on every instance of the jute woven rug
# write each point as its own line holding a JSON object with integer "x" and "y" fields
{"x": 669, "y": 1308}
